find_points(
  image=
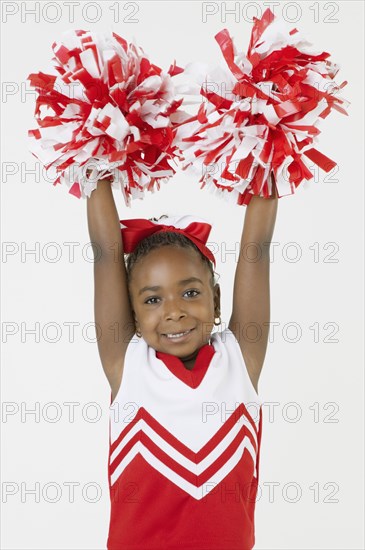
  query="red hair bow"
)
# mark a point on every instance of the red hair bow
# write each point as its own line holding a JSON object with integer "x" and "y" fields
{"x": 137, "y": 229}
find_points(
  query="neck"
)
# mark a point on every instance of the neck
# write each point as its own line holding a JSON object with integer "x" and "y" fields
{"x": 190, "y": 357}
{"x": 189, "y": 360}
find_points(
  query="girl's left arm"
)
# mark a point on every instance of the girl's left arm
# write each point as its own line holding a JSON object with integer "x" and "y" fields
{"x": 251, "y": 293}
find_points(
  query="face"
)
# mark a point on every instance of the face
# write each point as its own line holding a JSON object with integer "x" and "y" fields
{"x": 165, "y": 302}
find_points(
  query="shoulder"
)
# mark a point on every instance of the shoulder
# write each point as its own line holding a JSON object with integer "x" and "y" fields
{"x": 226, "y": 339}
{"x": 135, "y": 353}
{"x": 137, "y": 347}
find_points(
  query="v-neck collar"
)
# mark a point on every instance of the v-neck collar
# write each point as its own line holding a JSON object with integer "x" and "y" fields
{"x": 193, "y": 377}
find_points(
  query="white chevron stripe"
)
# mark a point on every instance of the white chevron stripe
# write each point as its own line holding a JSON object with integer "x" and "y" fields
{"x": 196, "y": 492}
{"x": 176, "y": 455}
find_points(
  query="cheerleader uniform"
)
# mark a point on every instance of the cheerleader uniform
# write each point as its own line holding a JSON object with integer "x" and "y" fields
{"x": 184, "y": 450}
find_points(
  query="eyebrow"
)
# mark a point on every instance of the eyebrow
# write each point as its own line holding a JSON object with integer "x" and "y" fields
{"x": 180, "y": 283}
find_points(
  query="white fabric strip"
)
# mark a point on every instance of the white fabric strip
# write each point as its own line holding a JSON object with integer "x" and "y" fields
{"x": 196, "y": 492}
{"x": 176, "y": 455}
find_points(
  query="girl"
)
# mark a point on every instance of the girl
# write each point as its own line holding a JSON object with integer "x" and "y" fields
{"x": 184, "y": 439}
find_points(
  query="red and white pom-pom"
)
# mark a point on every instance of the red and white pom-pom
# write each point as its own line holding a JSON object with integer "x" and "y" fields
{"x": 110, "y": 113}
{"x": 260, "y": 118}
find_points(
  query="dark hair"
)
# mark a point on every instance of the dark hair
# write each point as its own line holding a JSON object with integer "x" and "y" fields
{"x": 158, "y": 240}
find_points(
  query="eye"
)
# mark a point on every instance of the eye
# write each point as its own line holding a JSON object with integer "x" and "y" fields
{"x": 196, "y": 292}
{"x": 153, "y": 298}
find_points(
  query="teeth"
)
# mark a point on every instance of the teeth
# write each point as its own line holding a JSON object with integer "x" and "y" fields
{"x": 177, "y": 335}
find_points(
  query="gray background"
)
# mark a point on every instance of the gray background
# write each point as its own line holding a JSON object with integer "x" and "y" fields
{"x": 312, "y": 381}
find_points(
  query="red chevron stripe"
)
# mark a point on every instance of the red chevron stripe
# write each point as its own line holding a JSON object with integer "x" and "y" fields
{"x": 140, "y": 414}
{"x": 175, "y": 466}
{"x": 226, "y": 455}
{"x": 225, "y": 429}
{"x": 176, "y": 443}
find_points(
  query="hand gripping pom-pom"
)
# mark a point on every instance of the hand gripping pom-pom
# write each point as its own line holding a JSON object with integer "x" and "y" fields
{"x": 109, "y": 114}
{"x": 258, "y": 119}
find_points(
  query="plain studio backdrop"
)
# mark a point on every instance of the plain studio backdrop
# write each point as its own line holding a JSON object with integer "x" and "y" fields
{"x": 55, "y": 395}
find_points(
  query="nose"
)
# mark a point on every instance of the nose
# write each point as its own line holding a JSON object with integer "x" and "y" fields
{"x": 173, "y": 310}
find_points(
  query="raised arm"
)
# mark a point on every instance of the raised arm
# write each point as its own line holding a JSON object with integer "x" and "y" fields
{"x": 112, "y": 308}
{"x": 251, "y": 293}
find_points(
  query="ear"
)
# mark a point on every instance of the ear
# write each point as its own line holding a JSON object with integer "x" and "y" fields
{"x": 217, "y": 299}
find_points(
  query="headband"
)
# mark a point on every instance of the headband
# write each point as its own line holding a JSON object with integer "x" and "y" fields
{"x": 196, "y": 229}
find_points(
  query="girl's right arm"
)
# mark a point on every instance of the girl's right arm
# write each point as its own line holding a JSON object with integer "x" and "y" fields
{"x": 112, "y": 308}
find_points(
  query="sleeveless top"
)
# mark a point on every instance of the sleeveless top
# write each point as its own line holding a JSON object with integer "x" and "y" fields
{"x": 184, "y": 450}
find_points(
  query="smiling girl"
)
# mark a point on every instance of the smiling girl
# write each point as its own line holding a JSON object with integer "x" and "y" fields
{"x": 185, "y": 415}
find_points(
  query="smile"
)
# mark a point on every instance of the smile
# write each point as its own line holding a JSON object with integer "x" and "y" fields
{"x": 178, "y": 336}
